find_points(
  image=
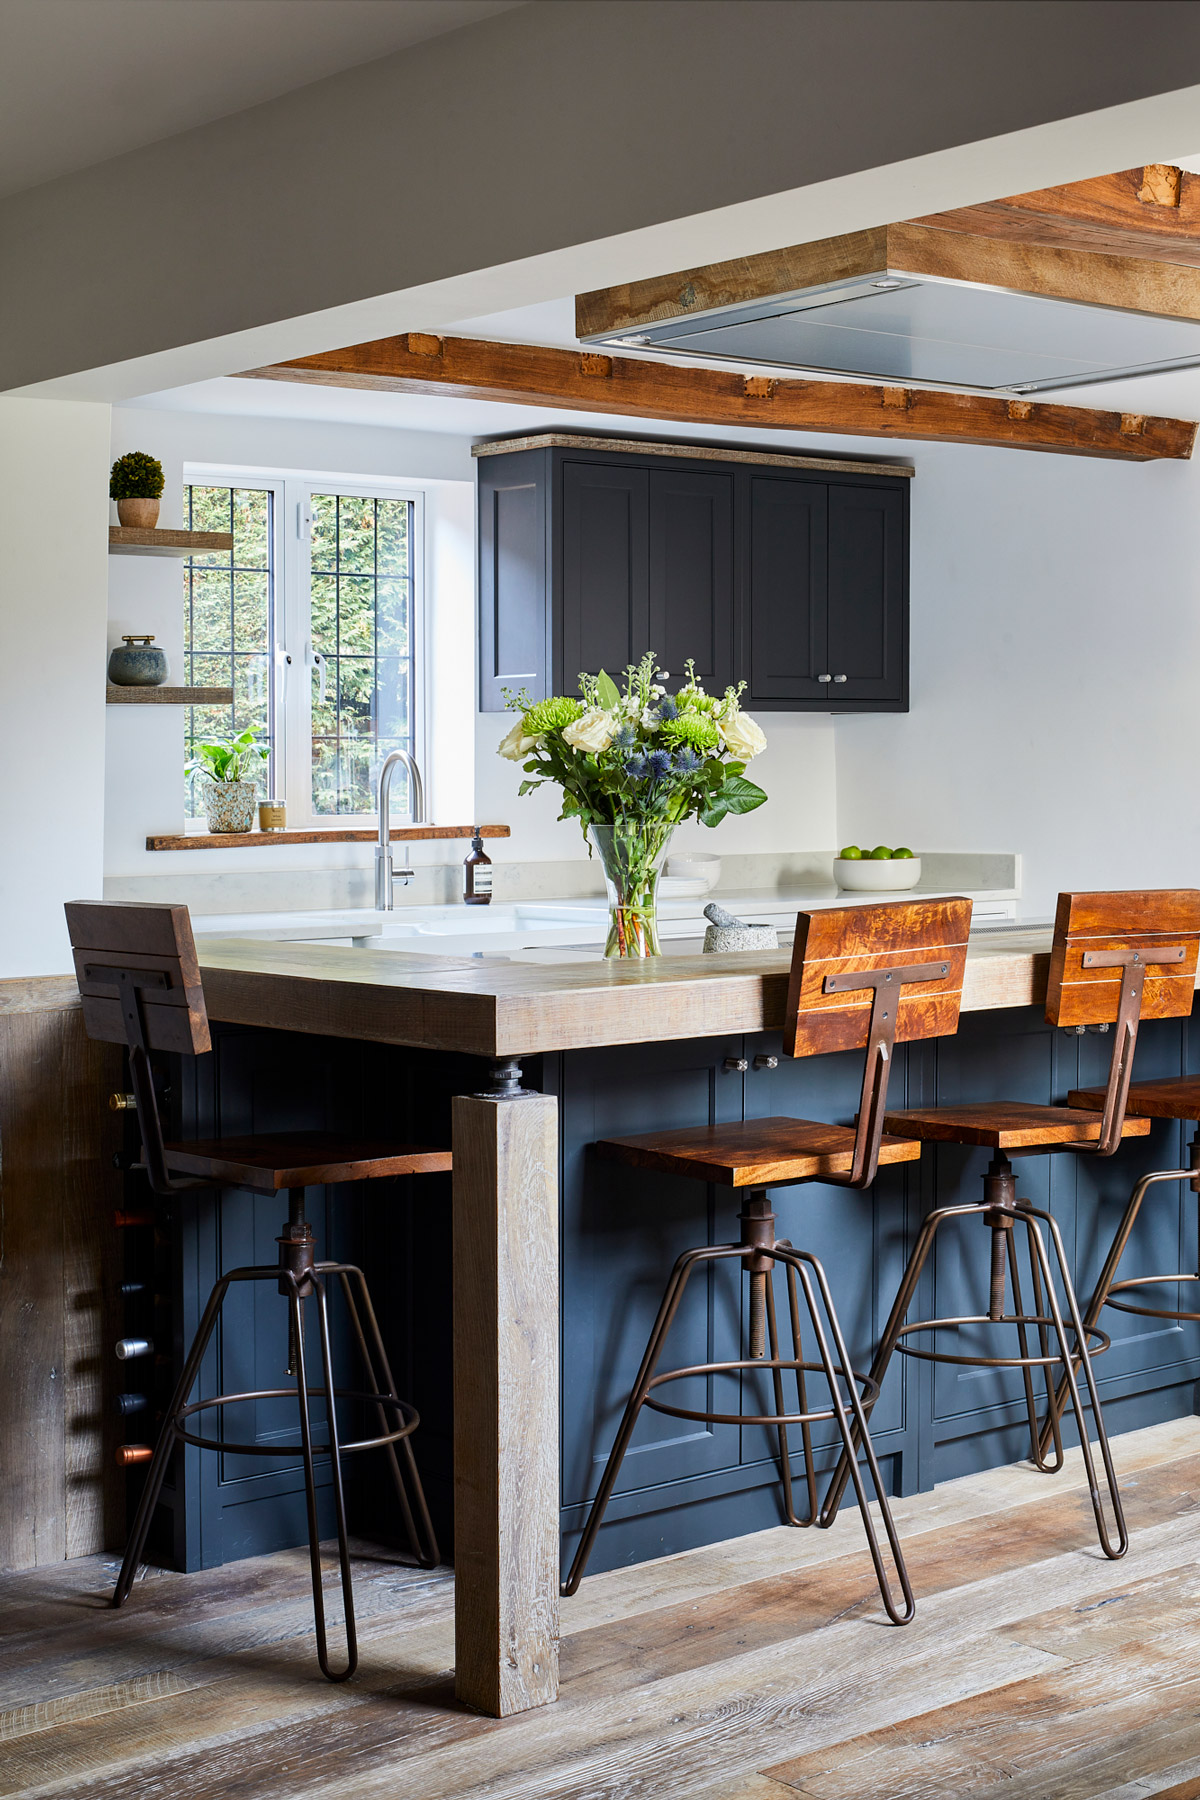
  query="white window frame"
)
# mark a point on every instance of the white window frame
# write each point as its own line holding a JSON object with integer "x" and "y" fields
{"x": 294, "y": 658}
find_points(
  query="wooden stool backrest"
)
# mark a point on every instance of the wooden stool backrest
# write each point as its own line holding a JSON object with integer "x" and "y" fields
{"x": 866, "y": 977}
{"x": 1085, "y": 981}
{"x": 834, "y": 944}
{"x": 1118, "y": 959}
{"x": 153, "y": 946}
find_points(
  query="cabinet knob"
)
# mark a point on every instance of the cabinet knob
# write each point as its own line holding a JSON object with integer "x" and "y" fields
{"x": 766, "y": 1062}
{"x": 736, "y": 1065}
{"x": 839, "y": 678}
{"x": 824, "y": 677}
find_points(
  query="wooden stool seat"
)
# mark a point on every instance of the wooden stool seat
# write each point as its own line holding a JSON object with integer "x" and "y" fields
{"x": 1006, "y": 1125}
{"x": 755, "y": 1153}
{"x": 1178, "y": 1097}
{"x": 273, "y": 1161}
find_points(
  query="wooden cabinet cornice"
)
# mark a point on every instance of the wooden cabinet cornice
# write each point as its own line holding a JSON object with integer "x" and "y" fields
{"x": 788, "y": 573}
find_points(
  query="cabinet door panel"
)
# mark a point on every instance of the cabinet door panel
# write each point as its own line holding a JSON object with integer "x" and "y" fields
{"x": 604, "y": 569}
{"x": 691, "y": 574}
{"x": 787, "y": 641}
{"x": 866, "y": 643}
{"x": 513, "y": 620}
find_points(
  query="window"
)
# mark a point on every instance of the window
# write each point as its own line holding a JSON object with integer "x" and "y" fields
{"x": 313, "y": 620}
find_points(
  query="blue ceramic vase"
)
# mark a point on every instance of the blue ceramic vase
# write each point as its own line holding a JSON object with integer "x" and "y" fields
{"x": 137, "y": 662}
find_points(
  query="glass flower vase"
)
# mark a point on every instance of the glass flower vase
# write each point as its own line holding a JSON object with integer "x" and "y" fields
{"x": 631, "y": 857}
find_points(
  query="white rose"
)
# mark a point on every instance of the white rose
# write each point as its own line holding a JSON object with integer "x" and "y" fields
{"x": 742, "y": 735}
{"x": 592, "y": 731}
{"x": 516, "y": 745}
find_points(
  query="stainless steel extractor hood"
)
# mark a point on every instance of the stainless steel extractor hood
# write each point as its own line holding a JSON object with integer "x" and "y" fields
{"x": 897, "y": 326}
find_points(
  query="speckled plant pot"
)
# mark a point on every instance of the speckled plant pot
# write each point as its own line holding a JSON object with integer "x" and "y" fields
{"x": 143, "y": 513}
{"x": 229, "y": 805}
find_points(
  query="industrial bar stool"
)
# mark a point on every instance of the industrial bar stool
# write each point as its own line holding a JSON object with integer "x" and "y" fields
{"x": 1116, "y": 958}
{"x": 140, "y": 985}
{"x": 862, "y": 976}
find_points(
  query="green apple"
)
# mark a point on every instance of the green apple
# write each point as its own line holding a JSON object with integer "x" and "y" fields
{"x": 851, "y": 853}
{"x": 881, "y": 853}
{"x": 901, "y": 853}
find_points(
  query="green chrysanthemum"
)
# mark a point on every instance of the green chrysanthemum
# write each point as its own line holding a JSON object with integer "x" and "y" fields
{"x": 693, "y": 728}
{"x": 551, "y": 715}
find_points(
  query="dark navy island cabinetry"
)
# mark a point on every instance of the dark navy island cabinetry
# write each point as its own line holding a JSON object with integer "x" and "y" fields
{"x": 683, "y": 1484}
{"x": 791, "y": 576}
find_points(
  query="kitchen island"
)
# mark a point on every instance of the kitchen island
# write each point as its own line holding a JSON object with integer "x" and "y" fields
{"x": 554, "y": 1256}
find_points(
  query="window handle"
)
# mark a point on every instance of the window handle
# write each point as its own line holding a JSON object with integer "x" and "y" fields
{"x": 315, "y": 660}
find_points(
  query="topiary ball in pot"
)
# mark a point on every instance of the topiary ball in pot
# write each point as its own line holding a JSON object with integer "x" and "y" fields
{"x": 136, "y": 484}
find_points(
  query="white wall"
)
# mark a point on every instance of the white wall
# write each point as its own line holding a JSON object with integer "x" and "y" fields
{"x": 53, "y": 571}
{"x": 1055, "y": 664}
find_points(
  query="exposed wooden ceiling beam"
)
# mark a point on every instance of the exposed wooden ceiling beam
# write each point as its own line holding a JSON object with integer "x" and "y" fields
{"x": 1152, "y": 213}
{"x": 533, "y": 375}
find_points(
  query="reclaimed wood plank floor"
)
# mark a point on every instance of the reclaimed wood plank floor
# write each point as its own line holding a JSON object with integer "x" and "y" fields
{"x": 759, "y": 1669}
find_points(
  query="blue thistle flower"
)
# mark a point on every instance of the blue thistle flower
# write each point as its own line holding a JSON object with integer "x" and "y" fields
{"x": 687, "y": 762}
{"x": 625, "y": 738}
{"x": 667, "y": 708}
{"x": 636, "y": 764}
{"x": 658, "y": 764}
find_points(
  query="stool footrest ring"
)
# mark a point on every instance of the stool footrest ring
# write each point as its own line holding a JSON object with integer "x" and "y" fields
{"x": 870, "y": 1393}
{"x": 1149, "y": 1312}
{"x": 409, "y": 1418}
{"x": 1102, "y": 1342}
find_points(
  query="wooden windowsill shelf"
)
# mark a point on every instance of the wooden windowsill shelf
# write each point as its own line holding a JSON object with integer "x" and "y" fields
{"x": 134, "y": 540}
{"x": 168, "y": 696}
{"x": 257, "y": 840}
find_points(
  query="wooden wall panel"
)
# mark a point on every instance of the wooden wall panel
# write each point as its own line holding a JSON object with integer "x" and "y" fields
{"x": 60, "y": 1491}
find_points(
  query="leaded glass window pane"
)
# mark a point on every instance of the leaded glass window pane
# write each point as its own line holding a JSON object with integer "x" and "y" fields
{"x": 229, "y": 622}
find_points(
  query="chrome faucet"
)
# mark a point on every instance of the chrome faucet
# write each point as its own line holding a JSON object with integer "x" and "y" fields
{"x": 384, "y": 872}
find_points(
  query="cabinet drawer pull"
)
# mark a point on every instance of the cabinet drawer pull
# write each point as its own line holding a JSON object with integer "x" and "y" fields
{"x": 824, "y": 677}
{"x": 839, "y": 678}
{"x": 737, "y": 1065}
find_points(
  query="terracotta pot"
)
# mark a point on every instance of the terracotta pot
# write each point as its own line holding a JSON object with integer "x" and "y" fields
{"x": 229, "y": 805}
{"x": 139, "y": 512}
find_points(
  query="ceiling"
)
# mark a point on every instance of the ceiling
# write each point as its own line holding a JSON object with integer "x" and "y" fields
{"x": 85, "y": 80}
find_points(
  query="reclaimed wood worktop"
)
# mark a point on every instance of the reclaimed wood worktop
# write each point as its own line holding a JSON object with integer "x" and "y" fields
{"x": 495, "y": 1009}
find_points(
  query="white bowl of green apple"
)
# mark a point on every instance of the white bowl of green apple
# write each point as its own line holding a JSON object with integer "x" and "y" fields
{"x": 878, "y": 871}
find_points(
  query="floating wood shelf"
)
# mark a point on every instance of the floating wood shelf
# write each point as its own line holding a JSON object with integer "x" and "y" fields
{"x": 257, "y": 840}
{"x": 168, "y": 696}
{"x": 134, "y": 540}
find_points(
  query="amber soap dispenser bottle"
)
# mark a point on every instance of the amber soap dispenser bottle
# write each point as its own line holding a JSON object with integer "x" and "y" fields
{"x": 477, "y": 874}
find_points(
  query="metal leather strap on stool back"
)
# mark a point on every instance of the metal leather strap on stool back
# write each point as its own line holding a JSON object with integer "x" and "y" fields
{"x": 1117, "y": 959}
{"x": 868, "y": 977}
{"x": 139, "y": 981}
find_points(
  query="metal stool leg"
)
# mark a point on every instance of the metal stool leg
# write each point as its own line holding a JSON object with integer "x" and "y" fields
{"x": 1083, "y": 1357}
{"x": 310, "y": 1483}
{"x": 637, "y": 1398}
{"x": 842, "y": 1369}
{"x": 373, "y": 1355}
{"x": 157, "y": 1472}
{"x": 1108, "y": 1274}
{"x": 883, "y": 1357}
{"x": 1036, "y": 1452}
{"x": 785, "y": 1465}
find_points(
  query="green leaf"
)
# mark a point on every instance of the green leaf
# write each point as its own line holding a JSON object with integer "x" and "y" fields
{"x": 608, "y": 691}
{"x": 740, "y": 795}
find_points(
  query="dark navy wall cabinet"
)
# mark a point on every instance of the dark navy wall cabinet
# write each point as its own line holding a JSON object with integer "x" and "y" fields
{"x": 793, "y": 580}
{"x": 622, "y": 1228}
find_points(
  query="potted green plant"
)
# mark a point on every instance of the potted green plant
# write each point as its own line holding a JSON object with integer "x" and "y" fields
{"x": 228, "y": 789}
{"x": 136, "y": 484}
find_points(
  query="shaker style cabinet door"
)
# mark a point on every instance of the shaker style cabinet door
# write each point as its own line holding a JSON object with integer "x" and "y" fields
{"x": 513, "y": 594}
{"x": 605, "y": 623}
{"x": 866, "y": 647}
{"x": 785, "y": 639}
{"x": 691, "y": 575}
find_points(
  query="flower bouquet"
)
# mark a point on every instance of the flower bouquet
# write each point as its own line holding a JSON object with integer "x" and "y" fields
{"x": 631, "y": 767}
